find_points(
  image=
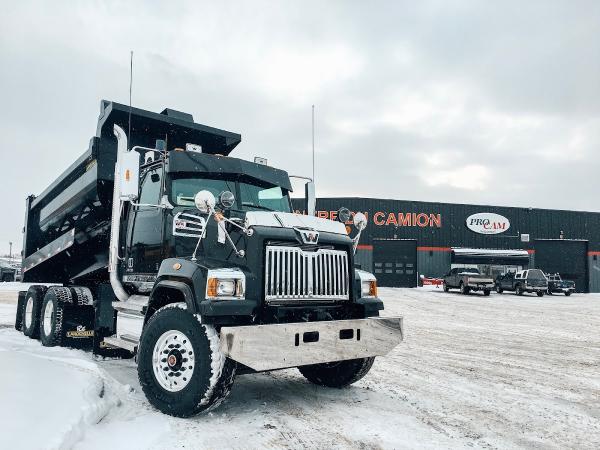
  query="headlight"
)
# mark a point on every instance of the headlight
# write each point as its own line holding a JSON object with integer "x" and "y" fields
{"x": 368, "y": 284}
{"x": 368, "y": 288}
{"x": 225, "y": 284}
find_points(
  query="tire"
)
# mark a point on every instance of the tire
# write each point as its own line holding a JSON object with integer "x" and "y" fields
{"x": 31, "y": 311}
{"x": 199, "y": 389}
{"x": 540, "y": 293}
{"x": 337, "y": 374}
{"x": 52, "y": 315}
{"x": 499, "y": 290}
{"x": 446, "y": 287}
{"x": 568, "y": 293}
{"x": 549, "y": 292}
{"x": 518, "y": 290}
{"x": 464, "y": 290}
{"x": 486, "y": 292}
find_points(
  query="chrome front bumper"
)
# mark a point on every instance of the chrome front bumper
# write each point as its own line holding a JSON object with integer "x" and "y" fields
{"x": 270, "y": 347}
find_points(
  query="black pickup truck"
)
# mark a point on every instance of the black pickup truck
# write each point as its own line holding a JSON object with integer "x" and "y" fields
{"x": 557, "y": 285}
{"x": 531, "y": 280}
{"x": 467, "y": 280}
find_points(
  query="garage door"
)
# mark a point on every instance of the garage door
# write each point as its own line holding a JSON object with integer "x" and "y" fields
{"x": 569, "y": 258}
{"x": 395, "y": 262}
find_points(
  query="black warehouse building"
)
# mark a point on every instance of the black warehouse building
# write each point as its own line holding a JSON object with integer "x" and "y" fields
{"x": 408, "y": 239}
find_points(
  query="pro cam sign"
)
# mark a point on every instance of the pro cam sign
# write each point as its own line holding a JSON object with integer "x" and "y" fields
{"x": 487, "y": 223}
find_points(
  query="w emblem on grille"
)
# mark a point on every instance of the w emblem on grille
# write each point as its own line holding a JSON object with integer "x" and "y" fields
{"x": 307, "y": 236}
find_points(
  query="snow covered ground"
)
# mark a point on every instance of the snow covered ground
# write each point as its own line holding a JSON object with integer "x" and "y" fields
{"x": 474, "y": 372}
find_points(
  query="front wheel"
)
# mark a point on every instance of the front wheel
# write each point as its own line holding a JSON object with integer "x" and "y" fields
{"x": 446, "y": 287}
{"x": 499, "y": 290}
{"x": 540, "y": 293}
{"x": 180, "y": 364}
{"x": 486, "y": 292}
{"x": 568, "y": 293}
{"x": 337, "y": 374}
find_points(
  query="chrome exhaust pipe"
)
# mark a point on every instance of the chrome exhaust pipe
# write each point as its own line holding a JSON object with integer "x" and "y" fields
{"x": 115, "y": 226}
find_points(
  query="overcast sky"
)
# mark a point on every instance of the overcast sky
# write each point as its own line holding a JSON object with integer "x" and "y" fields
{"x": 465, "y": 101}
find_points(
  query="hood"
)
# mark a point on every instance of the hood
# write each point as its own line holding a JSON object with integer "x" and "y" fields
{"x": 277, "y": 219}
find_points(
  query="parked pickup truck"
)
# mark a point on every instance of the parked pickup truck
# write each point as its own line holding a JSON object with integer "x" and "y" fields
{"x": 557, "y": 285}
{"x": 531, "y": 280}
{"x": 468, "y": 280}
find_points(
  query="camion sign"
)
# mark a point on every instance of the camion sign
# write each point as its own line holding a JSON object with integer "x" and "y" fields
{"x": 487, "y": 223}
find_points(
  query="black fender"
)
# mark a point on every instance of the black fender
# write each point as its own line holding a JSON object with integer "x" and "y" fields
{"x": 170, "y": 291}
{"x": 176, "y": 282}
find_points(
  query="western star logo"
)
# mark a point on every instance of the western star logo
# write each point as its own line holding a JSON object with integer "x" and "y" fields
{"x": 307, "y": 236}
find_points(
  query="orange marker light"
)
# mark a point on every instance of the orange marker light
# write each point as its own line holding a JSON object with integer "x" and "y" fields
{"x": 211, "y": 290}
{"x": 127, "y": 175}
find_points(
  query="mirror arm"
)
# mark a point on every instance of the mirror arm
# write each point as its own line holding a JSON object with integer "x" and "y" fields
{"x": 355, "y": 241}
{"x": 194, "y": 259}
{"x": 247, "y": 231}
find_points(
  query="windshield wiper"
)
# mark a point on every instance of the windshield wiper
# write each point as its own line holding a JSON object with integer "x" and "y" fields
{"x": 252, "y": 205}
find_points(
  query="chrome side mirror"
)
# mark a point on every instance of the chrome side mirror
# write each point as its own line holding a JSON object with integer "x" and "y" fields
{"x": 343, "y": 214}
{"x": 205, "y": 201}
{"x": 226, "y": 199}
{"x": 360, "y": 221}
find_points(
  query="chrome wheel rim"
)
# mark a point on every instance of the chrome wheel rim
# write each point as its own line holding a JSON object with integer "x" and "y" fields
{"x": 49, "y": 309}
{"x": 173, "y": 360}
{"x": 29, "y": 312}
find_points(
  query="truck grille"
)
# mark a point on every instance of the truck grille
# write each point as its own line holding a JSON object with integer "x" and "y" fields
{"x": 292, "y": 273}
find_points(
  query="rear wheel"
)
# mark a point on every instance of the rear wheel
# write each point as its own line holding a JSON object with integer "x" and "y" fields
{"x": 568, "y": 293}
{"x": 337, "y": 374}
{"x": 464, "y": 290}
{"x": 180, "y": 364}
{"x": 51, "y": 320}
{"x": 31, "y": 311}
{"x": 499, "y": 290}
{"x": 486, "y": 292}
{"x": 446, "y": 287}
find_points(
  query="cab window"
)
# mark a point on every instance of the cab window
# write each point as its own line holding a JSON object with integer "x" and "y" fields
{"x": 151, "y": 188}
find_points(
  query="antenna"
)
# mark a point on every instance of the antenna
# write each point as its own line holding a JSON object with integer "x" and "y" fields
{"x": 313, "y": 142}
{"x": 130, "y": 89}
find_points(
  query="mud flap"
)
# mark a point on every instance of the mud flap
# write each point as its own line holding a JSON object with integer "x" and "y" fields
{"x": 20, "y": 309}
{"x": 78, "y": 326}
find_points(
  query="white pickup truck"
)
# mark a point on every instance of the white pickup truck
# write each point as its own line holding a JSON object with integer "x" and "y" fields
{"x": 467, "y": 280}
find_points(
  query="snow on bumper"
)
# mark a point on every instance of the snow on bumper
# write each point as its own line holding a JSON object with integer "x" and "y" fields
{"x": 277, "y": 346}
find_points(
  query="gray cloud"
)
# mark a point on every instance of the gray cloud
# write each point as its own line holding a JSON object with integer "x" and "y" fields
{"x": 460, "y": 101}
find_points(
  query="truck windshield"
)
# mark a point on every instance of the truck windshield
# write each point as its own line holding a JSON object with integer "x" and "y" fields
{"x": 248, "y": 196}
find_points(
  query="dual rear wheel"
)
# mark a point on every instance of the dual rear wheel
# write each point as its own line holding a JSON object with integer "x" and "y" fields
{"x": 43, "y": 315}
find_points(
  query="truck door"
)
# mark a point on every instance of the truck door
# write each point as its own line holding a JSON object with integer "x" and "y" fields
{"x": 146, "y": 231}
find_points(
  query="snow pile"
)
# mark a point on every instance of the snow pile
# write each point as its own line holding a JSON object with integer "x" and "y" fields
{"x": 48, "y": 395}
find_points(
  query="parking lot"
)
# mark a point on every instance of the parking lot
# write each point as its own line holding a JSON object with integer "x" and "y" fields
{"x": 474, "y": 372}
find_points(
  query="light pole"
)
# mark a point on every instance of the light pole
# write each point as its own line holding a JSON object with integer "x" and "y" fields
{"x": 10, "y": 252}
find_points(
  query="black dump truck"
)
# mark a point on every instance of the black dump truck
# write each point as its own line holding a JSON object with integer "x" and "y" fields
{"x": 157, "y": 244}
